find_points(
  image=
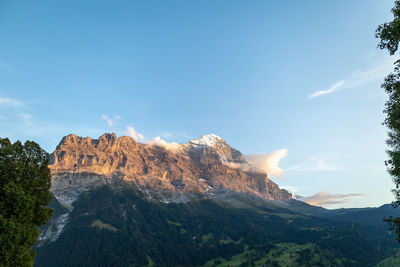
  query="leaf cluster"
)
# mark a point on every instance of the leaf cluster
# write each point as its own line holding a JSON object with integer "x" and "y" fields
{"x": 24, "y": 194}
{"x": 389, "y": 35}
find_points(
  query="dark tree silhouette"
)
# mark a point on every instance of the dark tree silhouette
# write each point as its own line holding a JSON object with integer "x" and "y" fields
{"x": 24, "y": 195}
{"x": 389, "y": 35}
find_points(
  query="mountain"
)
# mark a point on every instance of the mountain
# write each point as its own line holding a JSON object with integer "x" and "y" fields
{"x": 200, "y": 166}
{"x": 122, "y": 203}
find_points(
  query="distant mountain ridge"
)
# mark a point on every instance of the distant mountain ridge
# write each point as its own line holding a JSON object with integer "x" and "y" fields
{"x": 198, "y": 167}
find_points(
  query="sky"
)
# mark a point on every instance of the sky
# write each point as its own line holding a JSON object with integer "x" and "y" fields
{"x": 296, "y": 80}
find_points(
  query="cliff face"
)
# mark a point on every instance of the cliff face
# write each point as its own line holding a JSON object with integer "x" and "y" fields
{"x": 197, "y": 167}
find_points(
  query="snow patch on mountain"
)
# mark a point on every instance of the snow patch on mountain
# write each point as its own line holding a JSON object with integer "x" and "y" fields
{"x": 55, "y": 228}
{"x": 67, "y": 188}
{"x": 207, "y": 140}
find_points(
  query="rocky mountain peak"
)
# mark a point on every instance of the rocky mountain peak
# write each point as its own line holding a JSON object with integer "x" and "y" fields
{"x": 200, "y": 167}
{"x": 110, "y": 137}
{"x": 69, "y": 139}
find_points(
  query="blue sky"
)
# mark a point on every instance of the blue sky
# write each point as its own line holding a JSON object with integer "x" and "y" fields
{"x": 264, "y": 75}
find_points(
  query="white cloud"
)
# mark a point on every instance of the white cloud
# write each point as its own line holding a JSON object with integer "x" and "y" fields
{"x": 11, "y": 102}
{"x": 326, "y": 199}
{"x": 359, "y": 78}
{"x": 107, "y": 120}
{"x": 261, "y": 163}
{"x": 332, "y": 89}
{"x": 157, "y": 141}
{"x": 130, "y": 131}
{"x": 268, "y": 164}
{"x": 110, "y": 122}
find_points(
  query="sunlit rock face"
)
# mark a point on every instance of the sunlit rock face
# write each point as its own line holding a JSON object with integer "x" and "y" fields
{"x": 201, "y": 167}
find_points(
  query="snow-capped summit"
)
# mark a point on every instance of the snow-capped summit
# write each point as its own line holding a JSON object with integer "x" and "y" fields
{"x": 207, "y": 140}
{"x": 211, "y": 144}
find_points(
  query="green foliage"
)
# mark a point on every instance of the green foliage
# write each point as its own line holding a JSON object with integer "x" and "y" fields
{"x": 24, "y": 195}
{"x": 391, "y": 261}
{"x": 204, "y": 232}
{"x": 389, "y": 34}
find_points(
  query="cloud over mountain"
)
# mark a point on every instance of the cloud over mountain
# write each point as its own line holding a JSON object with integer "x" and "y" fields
{"x": 326, "y": 199}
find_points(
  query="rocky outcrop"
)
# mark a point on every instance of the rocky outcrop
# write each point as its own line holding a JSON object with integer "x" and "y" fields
{"x": 197, "y": 167}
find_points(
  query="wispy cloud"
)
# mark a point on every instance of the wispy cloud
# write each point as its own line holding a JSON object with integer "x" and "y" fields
{"x": 13, "y": 109}
{"x": 26, "y": 117}
{"x": 168, "y": 135}
{"x": 130, "y": 131}
{"x": 6, "y": 66}
{"x": 332, "y": 89}
{"x": 315, "y": 163}
{"x": 326, "y": 199}
{"x": 11, "y": 102}
{"x": 359, "y": 78}
{"x": 110, "y": 122}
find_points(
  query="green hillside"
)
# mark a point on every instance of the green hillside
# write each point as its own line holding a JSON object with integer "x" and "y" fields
{"x": 119, "y": 227}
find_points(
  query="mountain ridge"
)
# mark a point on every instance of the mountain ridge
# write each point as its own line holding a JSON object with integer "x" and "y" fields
{"x": 199, "y": 167}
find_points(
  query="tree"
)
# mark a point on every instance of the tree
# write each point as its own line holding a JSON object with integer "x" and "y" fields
{"x": 389, "y": 34}
{"x": 24, "y": 195}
